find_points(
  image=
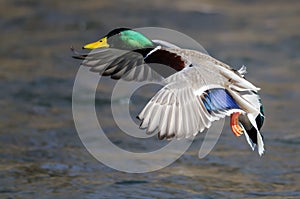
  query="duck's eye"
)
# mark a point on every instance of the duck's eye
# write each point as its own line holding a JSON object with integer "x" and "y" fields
{"x": 100, "y": 41}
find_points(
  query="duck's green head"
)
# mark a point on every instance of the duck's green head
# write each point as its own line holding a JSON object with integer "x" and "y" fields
{"x": 122, "y": 38}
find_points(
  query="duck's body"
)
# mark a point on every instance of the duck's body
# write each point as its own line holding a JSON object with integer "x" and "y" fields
{"x": 202, "y": 90}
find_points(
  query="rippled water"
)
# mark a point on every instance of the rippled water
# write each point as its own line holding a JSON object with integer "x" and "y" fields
{"x": 41, "y": 153}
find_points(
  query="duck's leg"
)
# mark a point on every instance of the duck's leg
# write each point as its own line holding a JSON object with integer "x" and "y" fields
{"x": 234, "y": 124}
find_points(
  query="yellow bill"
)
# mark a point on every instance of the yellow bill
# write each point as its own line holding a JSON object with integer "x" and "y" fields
{"x": 102, "y": 43}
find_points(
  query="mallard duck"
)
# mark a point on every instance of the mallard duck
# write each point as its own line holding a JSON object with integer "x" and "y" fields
{"x": 202, "y": 90}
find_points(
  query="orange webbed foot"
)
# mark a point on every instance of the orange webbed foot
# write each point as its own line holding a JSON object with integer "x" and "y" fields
{"x": 234, "y": 124}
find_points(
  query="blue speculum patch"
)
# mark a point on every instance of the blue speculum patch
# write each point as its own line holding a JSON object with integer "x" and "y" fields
{"x": 219, "y": 99}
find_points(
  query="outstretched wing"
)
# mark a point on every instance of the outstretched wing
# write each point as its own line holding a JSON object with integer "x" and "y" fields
{"x": 116, "y": 63}
{"x": 177, "y": 111}
{"x": 135, "y": 65}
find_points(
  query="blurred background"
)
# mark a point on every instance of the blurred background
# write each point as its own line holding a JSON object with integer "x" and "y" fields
{"x": 41, "y": 155}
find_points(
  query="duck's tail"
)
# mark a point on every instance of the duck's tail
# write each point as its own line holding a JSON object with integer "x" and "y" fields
{"x": 252, "y": 123}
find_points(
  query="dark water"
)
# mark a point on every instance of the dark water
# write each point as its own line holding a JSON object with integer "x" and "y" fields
{"x": 41, "y": 153}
